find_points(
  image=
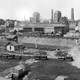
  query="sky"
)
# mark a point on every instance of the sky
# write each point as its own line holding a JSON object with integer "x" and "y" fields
{"x": 23, "y": 9}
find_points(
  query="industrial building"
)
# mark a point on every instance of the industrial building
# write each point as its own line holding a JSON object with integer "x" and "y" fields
{"x": 35, "y": 24}
{"x": 35, "y": 18}
{"x": 46, "y": 28}
{"x": 57, "y": 16}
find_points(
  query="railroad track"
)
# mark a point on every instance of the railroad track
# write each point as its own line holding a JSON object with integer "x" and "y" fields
{"x": 17, "y": 54}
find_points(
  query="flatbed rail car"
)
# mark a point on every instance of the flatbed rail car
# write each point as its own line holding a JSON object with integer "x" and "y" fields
{"x": 40, "y": 56}
{"x": 10, "y": 55}
{"x": 63, "y": 55}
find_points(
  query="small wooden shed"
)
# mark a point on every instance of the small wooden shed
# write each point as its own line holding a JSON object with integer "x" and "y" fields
{"x": 13, "y": 46}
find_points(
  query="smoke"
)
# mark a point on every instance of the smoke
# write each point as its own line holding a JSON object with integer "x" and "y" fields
{"x": 75, "y": 52}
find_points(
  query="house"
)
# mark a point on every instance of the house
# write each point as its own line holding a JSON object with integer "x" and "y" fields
{"x": 13, "y": 46}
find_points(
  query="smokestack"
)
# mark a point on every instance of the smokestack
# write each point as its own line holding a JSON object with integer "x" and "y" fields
{"x": 51, "y": 15}
{"x": 72, "y": 14}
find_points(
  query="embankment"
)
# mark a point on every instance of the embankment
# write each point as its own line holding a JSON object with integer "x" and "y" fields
{"x": 49, "y": 41}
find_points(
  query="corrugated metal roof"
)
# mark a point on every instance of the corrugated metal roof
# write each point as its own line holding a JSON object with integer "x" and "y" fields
{"x": 43, "y": 25}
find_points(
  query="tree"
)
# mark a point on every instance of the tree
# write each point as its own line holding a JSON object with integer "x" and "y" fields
{"x": 2, "y": 22}
{"x": 10, "y": 23}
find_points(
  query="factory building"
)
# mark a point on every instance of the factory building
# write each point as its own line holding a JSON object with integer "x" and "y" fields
{"x": 46, "y": 28}
{"x": 35, "y": 18}
{"x": 57, "y": 16}
{"x": 61, "y": 28}
{"x": 55, "y": 25}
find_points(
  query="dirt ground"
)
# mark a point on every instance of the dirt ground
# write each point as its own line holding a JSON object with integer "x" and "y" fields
{"x": 50, "y": 69}
{"x": 44, "y": 70}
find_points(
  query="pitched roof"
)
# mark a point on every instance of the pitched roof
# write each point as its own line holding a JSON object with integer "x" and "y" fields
{"x": 16, "y": 44}
{"x": 11, "y": 36}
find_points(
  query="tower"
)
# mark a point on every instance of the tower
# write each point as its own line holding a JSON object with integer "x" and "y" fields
{"x": 51, "y": 15}
{"x": 72, "y": 14}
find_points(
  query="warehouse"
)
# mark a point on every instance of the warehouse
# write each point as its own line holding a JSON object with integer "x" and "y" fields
{"x": 61, "y": 28}
{"x": 49, "y": 30}
{"x": 46, "y": 28}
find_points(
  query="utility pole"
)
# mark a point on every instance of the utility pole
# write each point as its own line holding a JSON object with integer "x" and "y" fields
{"x": 36, "y": 45}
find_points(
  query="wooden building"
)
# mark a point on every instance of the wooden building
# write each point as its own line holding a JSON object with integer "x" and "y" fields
{"x": 13, "y": 46}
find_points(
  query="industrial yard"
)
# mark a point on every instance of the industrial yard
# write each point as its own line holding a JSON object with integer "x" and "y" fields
{"x": 38, "y": 48}
{"x": 41, "y": 69}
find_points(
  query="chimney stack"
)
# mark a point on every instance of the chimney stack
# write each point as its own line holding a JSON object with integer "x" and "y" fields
{"x": 72, "y": 14}
{"x": 51, "y": 15}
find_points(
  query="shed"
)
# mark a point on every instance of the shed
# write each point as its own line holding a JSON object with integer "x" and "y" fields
{"x": 13, "y": 46}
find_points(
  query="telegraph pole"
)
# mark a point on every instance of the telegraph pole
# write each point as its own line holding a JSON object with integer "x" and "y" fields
{"x": 36, "y": 45}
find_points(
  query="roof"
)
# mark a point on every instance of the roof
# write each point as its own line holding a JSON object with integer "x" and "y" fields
{"x": 16, "y": 44}
{"x": 41, "y": 25}
{"x": 13, "y": 43}
{"x": 11, "y": 36}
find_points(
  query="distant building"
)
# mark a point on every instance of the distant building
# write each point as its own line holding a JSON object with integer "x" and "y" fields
{"x": 64, "y": 20}
{"x": 35, "y": 18}
{"x": 72, "y": 14}
{"x": 72, "y": 22}
{"x": 36, "y": 15}
{"x": 45, "y": 21}
{"x": 52, "y": 16}
{"x": 10, "y": 23}
{"x": 57, "y": 16}
{"x": 72, "y": 25}
{"x": 32, "y": 20}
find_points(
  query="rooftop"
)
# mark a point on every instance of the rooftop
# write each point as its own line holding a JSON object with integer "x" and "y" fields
{"x": 30, "y": 25}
